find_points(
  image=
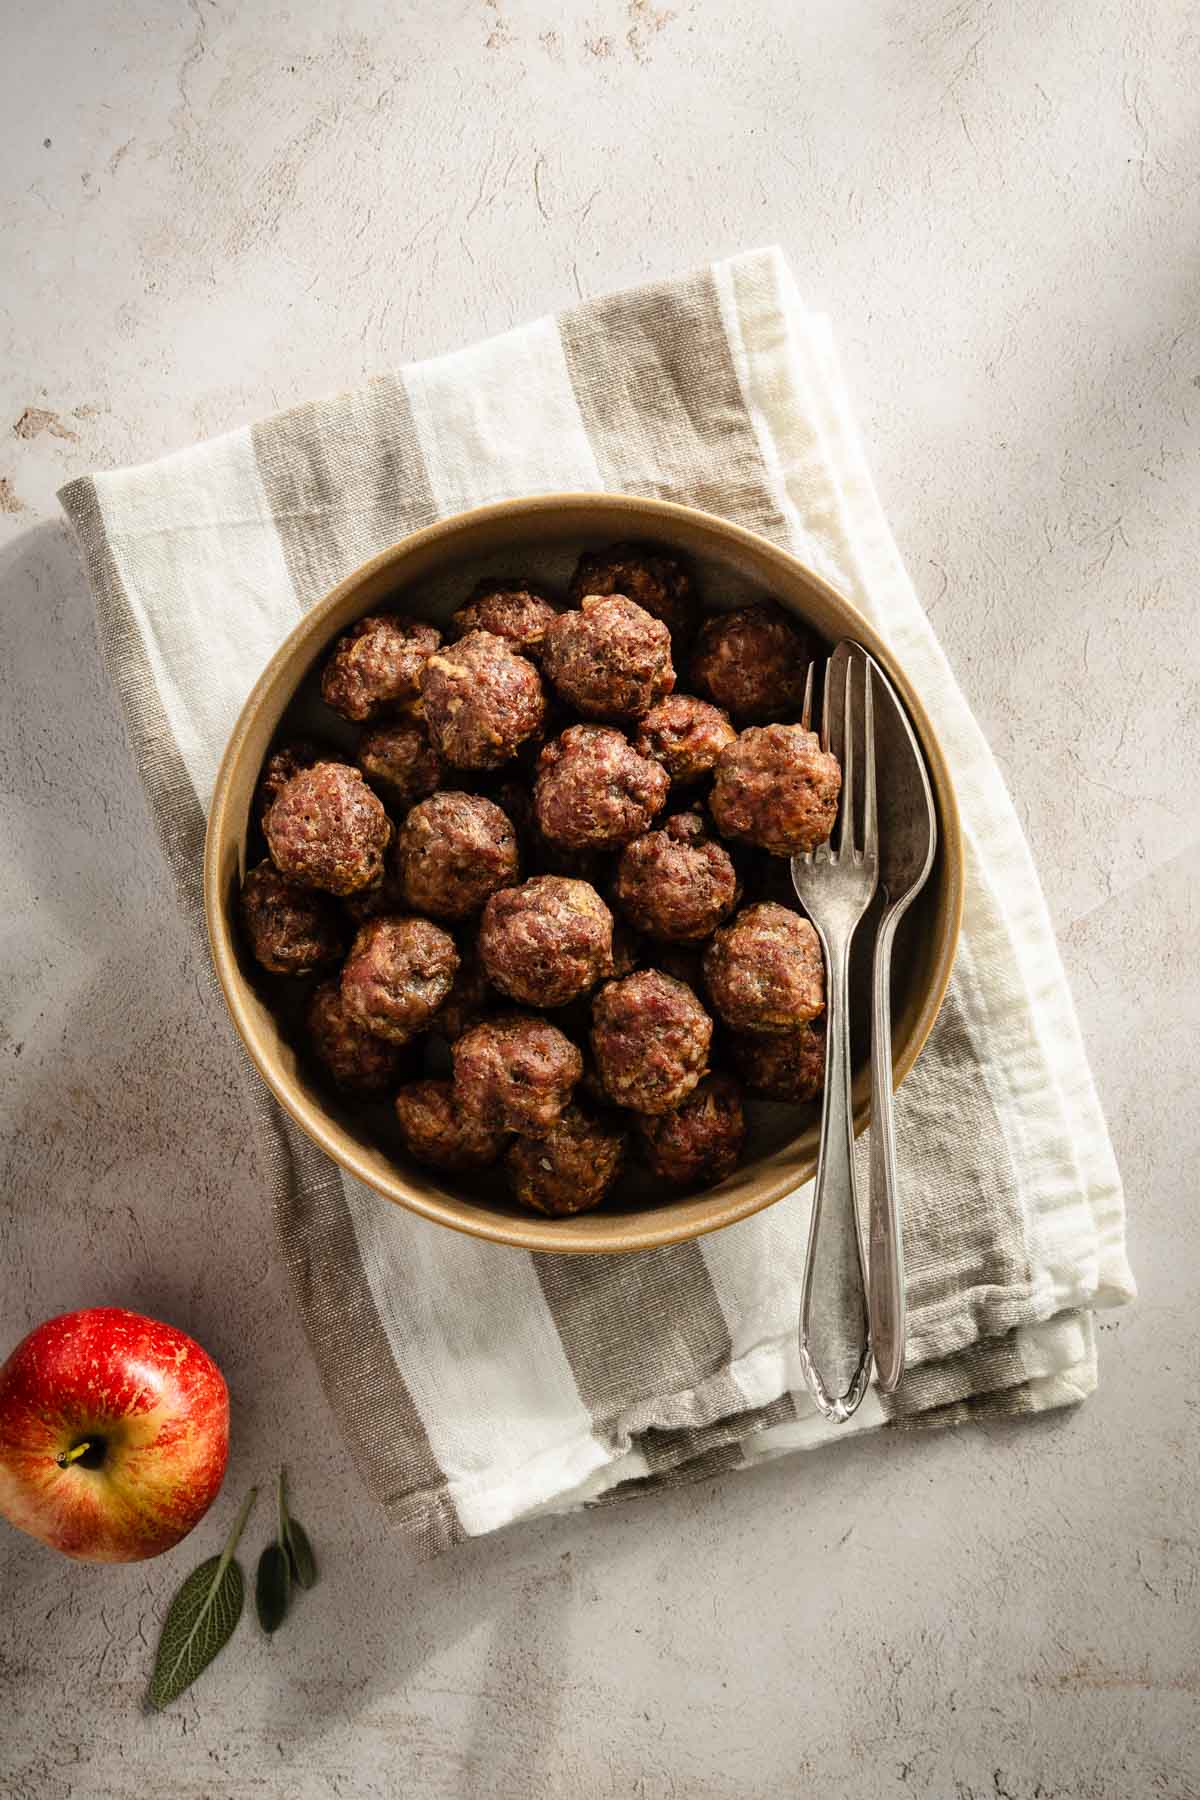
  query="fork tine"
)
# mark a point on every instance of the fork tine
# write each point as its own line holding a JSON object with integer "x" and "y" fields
{"x": 826, "y": 703}
{"x": 806, "y": 709}
{"x": 845, "y": 840}
{"x": 870, "y": 821}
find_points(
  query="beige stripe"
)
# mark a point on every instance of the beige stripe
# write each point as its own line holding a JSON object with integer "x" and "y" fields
{"x": 665, "y": 1450}
{"x": 345, "y": 478}
{"x": 723, "y": 1459}
{"x": 659, "y": 395}
{"x": 176, "y": 811}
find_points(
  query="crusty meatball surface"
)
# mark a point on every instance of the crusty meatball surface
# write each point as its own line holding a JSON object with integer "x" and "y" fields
{"x": 764, "y": 970}
{"x": 650, "y": 1038}
{"x": 328, "y": 830}
{"x": 510, "y": 607}
{"x": 280, "y": 766}
{"x": 482, "y": 701}
{"x": 439, "y": 1133}
{"x": 609, "y": 659}
{"x": 515, "y": 1072}
{"x": 396, "y": 976}
{"x": 356, "y": 1059}
{"x": 377, "y": 664}
{"x": 782, "y": 1065}
{"x": 658, "y": 582}
{"x": 685, "y": 735}
{"x": 699, "y": 1142}
{"x": 292, "y": 930}
{"x": 452, "y": 851}
{"x": 593, "y": 791}
{"x": 400, "y": 762}
{"x": 571, "y": 1168}
{"x": 677, "y": 882}
{"x": 754, "y": 663}
{"x": 546, "y": 941}
{"x": 469, "y": 998}
{"x": 776, "y": 787}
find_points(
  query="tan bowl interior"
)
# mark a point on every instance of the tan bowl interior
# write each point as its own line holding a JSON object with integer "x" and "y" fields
{"x": 428, "y": 574}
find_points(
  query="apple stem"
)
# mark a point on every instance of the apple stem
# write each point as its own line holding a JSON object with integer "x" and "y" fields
{"x": 69, "y": 1456}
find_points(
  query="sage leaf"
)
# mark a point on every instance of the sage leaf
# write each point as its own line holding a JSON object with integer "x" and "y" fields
{"x": 201, "y": 1618}
{"x": 273, "y": 1587}
{"x": 300, "y": 1554}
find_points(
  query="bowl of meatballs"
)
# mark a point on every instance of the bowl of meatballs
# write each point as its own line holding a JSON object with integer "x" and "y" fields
{"x": 497, "y": 882}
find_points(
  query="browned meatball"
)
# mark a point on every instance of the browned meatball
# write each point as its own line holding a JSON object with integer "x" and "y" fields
{"x": 764, "y": 970}
{"x": 357, "y": 1059}
{"x": 546, "y": 941}
{"x": 593, "y": 791}
{"x": 685, "y": 735}
{"x": 571, "y": 1168}
{"x": 783, "y": 1065}
{"x": 377, "y": 664}
{"x": 439, "y": 1133}
{"x": 469, "y": 998}
{"x": 650, "y": 1038}
{"x": 510, "y": 607}
{"x": 372, "y": 903}
{"x": 291, "y": 929}
{"x": 452, "y": 851}
{"x": 328, "y": 830}
{"x": 700, "y": 1142}
{"x": 776, "y": 788}
{"x": 677, "y": 882}
{"x": 399, "y": 760}
{"x": 482, "y": 701}
{"x": 279, "y": 768}
{"x": 754, "y": 663}
{"x": 515, "y": 1072}
{"x": 396, "y": 976}
{"x": 609, "y": 660}
{"x": 658, "y": 582}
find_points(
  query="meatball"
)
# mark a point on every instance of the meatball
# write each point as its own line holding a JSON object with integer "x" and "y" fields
{"x": 278, "y": 770}
{"x": 650, "y": 1039}
{"x": 328, "y": 830}
{"x": 372, "y": 903}
{"x": 685, "y": 735}
{"x": 482, "y": 701}
{"x": 439, "y": 1133}
{"x": 659, "y": 583}
{"x": 356, "y": 1059}
{"x": 399, "y": 760}
{"x": 468, "y": 999}
{"x": 764, "y": 970}
{"x": 571, "y": 1168}
{"x": 515, "y": 1072}
{"x": 396, "y": 976}
{"x": 377, "y": 664}
{"x": 509, "y": 607}
{"x": 700, "y": 1142}
{"x": 546, "y": 941}
{"x": 776, "y": 787}
{"x": 291, "y": 929}
{"x": 452, "y": 851}
{"x": 783, "y": 1065}
{"x": 677, "y": 882}
{"x": 593, "y": 791}
{"x": 754, "y": 663}
{"x": 610, "y": 660}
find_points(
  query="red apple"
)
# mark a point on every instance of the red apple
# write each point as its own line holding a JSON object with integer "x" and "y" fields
{"x": 114, "y": 1432}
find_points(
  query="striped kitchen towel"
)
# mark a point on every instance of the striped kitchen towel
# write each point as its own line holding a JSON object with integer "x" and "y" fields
{"x": 479, "y": 1384}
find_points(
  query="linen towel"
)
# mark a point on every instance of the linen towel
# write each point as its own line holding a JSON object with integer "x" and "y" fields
{"x": 479, "y": 1384}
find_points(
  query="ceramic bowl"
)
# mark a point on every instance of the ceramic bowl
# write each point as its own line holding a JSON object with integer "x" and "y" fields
{"x": 429, "y": 573}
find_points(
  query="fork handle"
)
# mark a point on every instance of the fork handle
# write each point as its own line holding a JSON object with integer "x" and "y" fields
{"x": 886, "y": 1224}
{"x": 835, "y": 1338}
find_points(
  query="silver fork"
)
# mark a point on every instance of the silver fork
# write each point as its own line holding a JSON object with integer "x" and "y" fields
{"x": 836, "y": 883}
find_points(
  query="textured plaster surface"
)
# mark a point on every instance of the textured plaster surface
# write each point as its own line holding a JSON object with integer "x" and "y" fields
{"x": 210, "y": 210}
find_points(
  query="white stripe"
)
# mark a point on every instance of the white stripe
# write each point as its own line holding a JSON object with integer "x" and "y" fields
{"x": 204, "y": 572}
{"x": 501, "y": 419}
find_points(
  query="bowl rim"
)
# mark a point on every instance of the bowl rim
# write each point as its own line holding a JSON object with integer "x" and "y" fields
{"x": 630, "y": 1231}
